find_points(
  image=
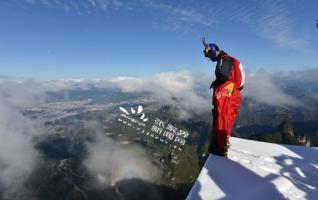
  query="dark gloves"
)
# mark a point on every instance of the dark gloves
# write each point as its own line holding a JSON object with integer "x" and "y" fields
{"x": 212, "y": 85}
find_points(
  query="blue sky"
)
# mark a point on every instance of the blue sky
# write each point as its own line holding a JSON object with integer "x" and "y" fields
{"x": 107, "y": 38}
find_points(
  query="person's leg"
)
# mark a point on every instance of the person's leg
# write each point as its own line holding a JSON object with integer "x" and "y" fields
{"x": 213, "y": 145}
{"x": 235, "y": 105}
{"x": 222, "y": 143}
{"x": 224, "y": 119}
{"x": 218, "y": 137}
{"x": 220, "y": 124}
{"x": 229, "y": 113}
{"x": 213, "y": 141}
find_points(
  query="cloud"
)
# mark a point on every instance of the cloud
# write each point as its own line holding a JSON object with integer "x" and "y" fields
{"x": 187, "y": 92}
{"x": 261, "y": 88}
{"x": 308, "y": 75}
{"x": 21, "y": 93}
{"x": 106, "y": 4}
{"x": 172, "y": 84}
{"x": 110, "y": 162}
{"x": 315, "y": 95}
{"x": 278, "y": 26}
{"x": 18, "y": 156}
{"x": 269, "y": 19}
{"x": 29, "y": 1}
{"x": 173, "y": 88}
{"x": 184, "y": 90}
{"x": 272, "y": 21}
{"x": 172, "y": 16}
{"x": 181, "y": 16}
{"x": 80, "y": 6}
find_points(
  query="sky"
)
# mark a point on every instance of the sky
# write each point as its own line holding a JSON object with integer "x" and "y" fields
{"x": 50, "y": 39}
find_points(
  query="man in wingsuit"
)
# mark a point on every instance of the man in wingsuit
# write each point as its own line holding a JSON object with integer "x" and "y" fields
{"x": 227, "y": 86}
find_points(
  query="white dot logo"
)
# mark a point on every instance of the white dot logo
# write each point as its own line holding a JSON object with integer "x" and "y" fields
{"x": 135, "y": 112}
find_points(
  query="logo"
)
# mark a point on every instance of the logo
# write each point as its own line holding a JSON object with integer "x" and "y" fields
{"x": 160, "y": 130}
{"x": 139, "y": 113}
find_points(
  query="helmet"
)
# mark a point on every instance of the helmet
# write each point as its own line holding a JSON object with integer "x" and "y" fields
{"x": 210, "y": 51}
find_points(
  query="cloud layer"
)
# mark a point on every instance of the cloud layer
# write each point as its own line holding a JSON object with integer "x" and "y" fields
{"x": 261, "y": 88}
{"x": 187, "y": 92}
{"x": 110, "y": 162}
{"x": 173, "y": 88}
{"x": 18, "y": 156}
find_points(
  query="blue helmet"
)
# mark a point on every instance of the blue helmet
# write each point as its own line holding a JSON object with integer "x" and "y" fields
{"x": 213, "y": 47}
{"x": 210, "y": 51}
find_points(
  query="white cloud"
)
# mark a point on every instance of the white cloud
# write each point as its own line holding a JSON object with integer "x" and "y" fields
{"x": 278, "y": 26}
{"x": 92, "y": 2}
{"x": 187, "y": 92}
{"x": 20, "y": 93}
{"x": 80, "y": 6}
{"x": 129, "y": 84}
{"x": 182, "y": 15}
{"x": 272, "y": 21}
{"x": 29, "y": 1}
{"x": 173, "y": 88}
{"x": 172, "y": 16}
{"x": 310, "y": 75}
{"x": 314, "y": 95}
{"x": 261, "y": 88}
{"x": 107, "y": 160}
{"x": 180, "y": 89}
{"x": 269, "y": 19}
{"x": 18, "y": 156}
{"x": 184, "y": 90}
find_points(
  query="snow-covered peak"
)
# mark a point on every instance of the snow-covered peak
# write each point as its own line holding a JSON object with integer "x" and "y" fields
{"x": 259, "y": 170}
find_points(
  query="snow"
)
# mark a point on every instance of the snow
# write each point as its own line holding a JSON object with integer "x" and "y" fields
{"x": 259, "y": 170}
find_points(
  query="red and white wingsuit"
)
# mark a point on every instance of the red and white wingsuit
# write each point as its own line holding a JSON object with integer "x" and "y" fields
{"x": 230, "y": 78}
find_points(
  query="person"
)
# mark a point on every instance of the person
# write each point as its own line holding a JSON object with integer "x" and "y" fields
{"x": 229, "y": 81}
